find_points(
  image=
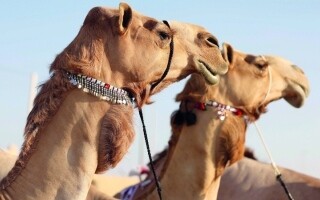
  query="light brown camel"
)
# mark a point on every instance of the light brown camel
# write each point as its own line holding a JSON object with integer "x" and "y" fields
{"x": 70, "y": 134}
{"x": 8, "y": 158}
{"x": 251, "y": 179}
{"x": 198, "y": 153}
{"x": 246, "y": 179}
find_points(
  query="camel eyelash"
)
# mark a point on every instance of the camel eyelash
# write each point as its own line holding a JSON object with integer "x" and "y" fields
{"x": 164, "y": 35}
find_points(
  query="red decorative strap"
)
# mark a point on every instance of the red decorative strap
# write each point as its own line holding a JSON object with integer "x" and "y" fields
{"x": 200, "y": 106}
{"x": 221, "y": 109}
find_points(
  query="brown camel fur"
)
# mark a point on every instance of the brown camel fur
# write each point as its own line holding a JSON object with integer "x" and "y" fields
{"x": 199, "y": 153}
{"x": 69, "y": 134}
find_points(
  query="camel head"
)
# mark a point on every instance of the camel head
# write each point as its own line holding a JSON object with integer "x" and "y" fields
{"x": 254, "y": 81}
{"x": 197, "y": 52}
{"x": 135, "y": 49}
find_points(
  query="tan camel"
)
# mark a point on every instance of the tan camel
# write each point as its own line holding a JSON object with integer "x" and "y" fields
{"x": 246, "y": 179}
{"x": 108, "y": 184}
{"x": 251, "y": 179}
{"x": 70, "y": 134}
{"x": 9, "y": 156}
{"x": 199, "y": 153}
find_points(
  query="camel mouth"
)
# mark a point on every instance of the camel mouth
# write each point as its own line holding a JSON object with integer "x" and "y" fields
{"x": 296, "y": 94}
{"x": 211, "y": 76}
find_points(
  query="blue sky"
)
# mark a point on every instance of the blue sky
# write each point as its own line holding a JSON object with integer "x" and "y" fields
{"x": 34, "y": 32}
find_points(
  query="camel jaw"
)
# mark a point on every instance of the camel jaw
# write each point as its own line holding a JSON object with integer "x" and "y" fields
{"x": 296, "y": 94}
{"x": 211, "y": 76}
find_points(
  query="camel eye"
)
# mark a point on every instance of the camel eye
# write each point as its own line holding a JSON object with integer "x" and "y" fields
{"x": 261, "y": 62}
{"x": 261, "y": 66}
{"x": 163, "y": 35}
{"x": 212, "y": 41}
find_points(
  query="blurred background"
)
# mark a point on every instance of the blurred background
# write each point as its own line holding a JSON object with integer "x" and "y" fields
{"x": 34, "y": 32}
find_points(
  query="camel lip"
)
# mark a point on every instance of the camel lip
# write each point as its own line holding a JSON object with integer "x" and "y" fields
{"x": 297, "y": 94}
{"x": 211, "y": 76}
{"x": 210, "y": 69}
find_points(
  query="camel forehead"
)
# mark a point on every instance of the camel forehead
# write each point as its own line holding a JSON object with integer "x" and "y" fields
{"x": 284, "y": 63}
{"x": 278, "y": 60}
{"x": 273, "y": 61}
{"x": 186, "y": 28}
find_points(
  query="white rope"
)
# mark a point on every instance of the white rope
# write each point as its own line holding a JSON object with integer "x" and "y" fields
{"x": 258, "y": 130}
{"x": 270, "y": 82}
{"x": 269, "y": 85}
{"x": 276, "y": 170}
{"x": 273, "y": 164}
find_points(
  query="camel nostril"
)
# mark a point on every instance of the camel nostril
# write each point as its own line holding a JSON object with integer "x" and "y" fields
{"x": 297, "y": 68}
{"x": 212, "y": 41}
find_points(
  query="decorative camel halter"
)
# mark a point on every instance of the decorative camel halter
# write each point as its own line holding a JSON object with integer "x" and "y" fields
{"x": 100, "y": 89}
{"x": 142, "y": 120}
{"x": 169, "y": 61}
{"x": 222, "y": 109}
{"x": 270, "y": 83}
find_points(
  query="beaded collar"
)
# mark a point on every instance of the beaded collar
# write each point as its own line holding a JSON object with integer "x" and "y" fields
{"x": 221, "y": 109}
{"x": 100, "y": 89}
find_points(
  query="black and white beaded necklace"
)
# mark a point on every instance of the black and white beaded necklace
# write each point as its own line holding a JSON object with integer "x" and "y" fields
{"x": 100, "y": 89}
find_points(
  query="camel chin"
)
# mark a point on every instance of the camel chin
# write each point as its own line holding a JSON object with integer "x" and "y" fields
{"x": 211, "y": 76}
{"x": 296, "y": 95}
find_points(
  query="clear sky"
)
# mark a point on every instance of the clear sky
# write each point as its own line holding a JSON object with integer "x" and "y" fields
{"x": 32, "y": 33}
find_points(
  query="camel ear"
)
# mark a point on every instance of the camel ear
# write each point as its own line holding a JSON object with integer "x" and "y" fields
{"x": 227, "y": 53}
{"x": 125, "y": 17}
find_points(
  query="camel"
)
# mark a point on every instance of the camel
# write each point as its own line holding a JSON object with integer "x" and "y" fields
{"x": 8, "y": 158}
{"x": 251, "y": 179}
{"x": 209, "y": 128}
{"x": 81, "y": 122}
{"x": 245, "y": 179}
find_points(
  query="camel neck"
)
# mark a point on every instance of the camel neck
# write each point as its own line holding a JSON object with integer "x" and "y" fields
{"x": 65, "y": 158}
{"x": 193, "y": 167}
{"x": 190, "y": 171}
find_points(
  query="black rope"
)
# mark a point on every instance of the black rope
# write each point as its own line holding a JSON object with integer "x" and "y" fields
{"x": 169, "y": 61}
{"x": 284, "y": 187}
{"x": 149, "y": 155}
{"x": 142, "y": 120}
